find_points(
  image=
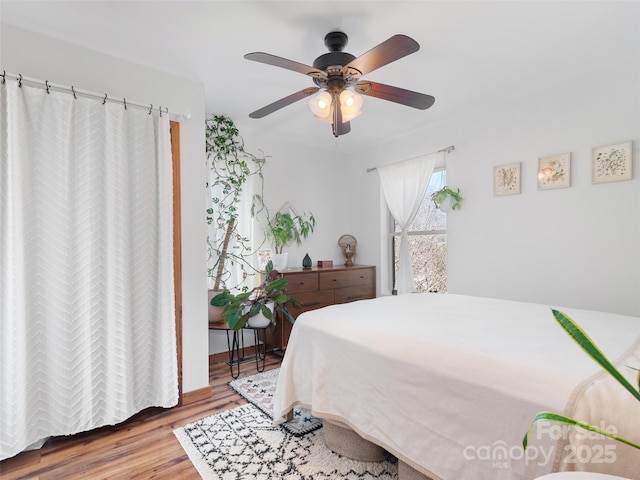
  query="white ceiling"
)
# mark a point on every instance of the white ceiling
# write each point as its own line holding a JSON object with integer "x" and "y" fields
{"x": 473, "y": 54}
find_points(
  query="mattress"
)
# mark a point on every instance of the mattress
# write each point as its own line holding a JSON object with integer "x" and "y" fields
{"x": 450, "y": 383}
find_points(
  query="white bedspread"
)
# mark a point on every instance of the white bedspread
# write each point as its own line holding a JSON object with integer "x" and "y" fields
{"x": 450, "y": 383}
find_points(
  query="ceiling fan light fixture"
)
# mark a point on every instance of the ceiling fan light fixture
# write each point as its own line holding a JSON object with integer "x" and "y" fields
{"x": 320, "y": 105}
{"x": 350, "y": 104}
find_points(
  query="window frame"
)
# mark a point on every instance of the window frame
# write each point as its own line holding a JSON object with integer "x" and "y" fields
{"x": 392, "y": 235}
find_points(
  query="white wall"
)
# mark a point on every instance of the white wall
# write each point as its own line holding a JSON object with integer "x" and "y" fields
{"x": 575, "y": 247}
{"x": 35, "y": 56}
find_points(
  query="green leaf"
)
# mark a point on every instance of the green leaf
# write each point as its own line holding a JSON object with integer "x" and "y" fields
{"x": 556, "y": 417}
{"x": 281, "y": 298}
{"x": 277, "y": 284}
{"x": 583, "y": 340}
{"x": 267, "y": 312}
{"x": 287, "y": 314}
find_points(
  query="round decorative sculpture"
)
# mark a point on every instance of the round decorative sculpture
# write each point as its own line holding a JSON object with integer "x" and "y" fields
{"x": 348, "y": 244}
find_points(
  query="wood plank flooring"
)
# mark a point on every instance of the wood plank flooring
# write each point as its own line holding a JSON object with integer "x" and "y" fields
{"x": 143, "y": 447}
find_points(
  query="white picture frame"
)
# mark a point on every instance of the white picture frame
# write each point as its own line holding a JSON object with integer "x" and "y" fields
{"x": 264, "y": 257}
{"x": 507, "y": 179}
{"x": 554, "y": 171}
{"x": 612, "y": 163}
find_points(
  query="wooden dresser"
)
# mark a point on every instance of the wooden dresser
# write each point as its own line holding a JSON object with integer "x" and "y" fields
{"x": 320, "y": 287}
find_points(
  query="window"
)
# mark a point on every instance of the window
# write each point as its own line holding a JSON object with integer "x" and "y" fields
{"x": 427, "y": 241}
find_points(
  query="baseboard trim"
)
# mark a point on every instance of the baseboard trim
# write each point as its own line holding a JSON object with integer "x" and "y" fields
{"x": 196, "y": 395}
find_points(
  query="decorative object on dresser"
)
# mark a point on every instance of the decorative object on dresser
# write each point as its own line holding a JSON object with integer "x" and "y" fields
{"x": 306, "y": 262}
{"x": 348, "y": 245}
{"x": 325, "y": 263}
{"x": 321, "y": 287}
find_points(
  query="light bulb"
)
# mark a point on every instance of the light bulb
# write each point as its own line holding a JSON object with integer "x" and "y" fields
{"x": 320, "y": 105}
{"x": 350, "y": 105}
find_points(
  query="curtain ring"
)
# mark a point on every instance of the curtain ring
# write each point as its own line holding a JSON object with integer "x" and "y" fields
{"x": 20, "y": 80}
{"x": 160, "y": 109}
{"x": 4, "y": 79}
{"x": 74, "y": 92}
{"x": 124, "y": 100}
{"x": 104, "y": 100}
{"x": 46, "y": 82}
{"x": 150, "y": 109}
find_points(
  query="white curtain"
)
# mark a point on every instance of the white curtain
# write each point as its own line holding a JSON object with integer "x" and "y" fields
{"x": 87, "y": 320}
{"x": 404, "y": 185}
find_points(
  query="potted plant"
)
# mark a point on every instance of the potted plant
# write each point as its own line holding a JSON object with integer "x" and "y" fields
{"x": 446, "y": 199}
{"x": 231, "y": 166}
{"x": 284, "y": 228}
{"x": 264, "y": 300}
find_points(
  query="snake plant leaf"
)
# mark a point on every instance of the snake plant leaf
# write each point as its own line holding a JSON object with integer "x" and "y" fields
{"x": 556, "y": 417}
{"x": 583, "y": 340}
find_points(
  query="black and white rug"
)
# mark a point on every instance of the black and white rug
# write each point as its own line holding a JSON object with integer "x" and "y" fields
{"x": 259, "y": 390}
{"x": 243, "y": 443}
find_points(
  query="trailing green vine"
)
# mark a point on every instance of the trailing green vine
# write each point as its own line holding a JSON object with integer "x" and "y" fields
{"x": 441, "y": 195}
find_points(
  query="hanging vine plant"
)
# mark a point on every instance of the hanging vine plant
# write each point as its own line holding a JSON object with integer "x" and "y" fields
{"x": 231, "y": 167}
{"x": 440, "y": 197}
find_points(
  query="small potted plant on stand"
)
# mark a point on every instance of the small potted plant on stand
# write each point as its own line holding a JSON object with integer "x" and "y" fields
{"x": 284, "y": 228}
{"x": 256, "y": 308}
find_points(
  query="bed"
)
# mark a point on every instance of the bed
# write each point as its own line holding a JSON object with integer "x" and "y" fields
{"x": 450, "y": 383}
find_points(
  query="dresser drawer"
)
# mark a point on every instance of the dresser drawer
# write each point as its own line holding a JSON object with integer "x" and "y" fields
{"x": 311, "y": 301}
{"x": 301, "y": 282}
{"x": 346, "y": 278}
{"x": 357, "y": 292}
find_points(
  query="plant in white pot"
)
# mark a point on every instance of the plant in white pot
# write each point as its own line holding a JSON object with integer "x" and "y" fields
{"x": 231, "y": 167}
{"x": 446, "y": 199}
{"x": 284, "y": 228}
{"x": 259, "y": 304}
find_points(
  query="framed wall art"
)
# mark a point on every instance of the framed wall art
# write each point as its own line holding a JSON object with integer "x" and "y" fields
{"x": 611, "y": 163}
{"x": 506, "y": 179}
{"x": 554, "y": 171}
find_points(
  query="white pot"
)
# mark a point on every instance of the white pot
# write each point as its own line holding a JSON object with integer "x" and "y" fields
{"x": 445, "y": 206}
{"x": 259, "y": 320}
{"x": 280, "y": 261}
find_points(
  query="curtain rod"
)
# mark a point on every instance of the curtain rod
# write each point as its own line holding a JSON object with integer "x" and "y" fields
{"x": 87, "y": 94}
{"x": 449, "y": 149}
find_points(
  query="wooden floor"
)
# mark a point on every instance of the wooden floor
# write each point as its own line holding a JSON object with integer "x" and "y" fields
{"x": 143, "y": 447}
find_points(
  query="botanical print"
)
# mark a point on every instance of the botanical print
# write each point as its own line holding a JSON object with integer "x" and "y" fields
{"x": 263, "y": 258}
{"x": 554, "y": 172}
{"x": 506, "y": 179}
{"x": 612, "y": 163}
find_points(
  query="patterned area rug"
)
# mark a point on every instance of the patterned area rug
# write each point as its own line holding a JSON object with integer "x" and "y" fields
{"x": 243, "y": 443}
{"x": 259, "y": 390}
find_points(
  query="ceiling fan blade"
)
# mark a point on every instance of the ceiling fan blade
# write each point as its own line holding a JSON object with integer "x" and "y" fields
{"x": 285, "y": 63}
{"x": 283, "y": 102}
{"x": 395, "y": 94}
{"x": 388, "y": 51}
